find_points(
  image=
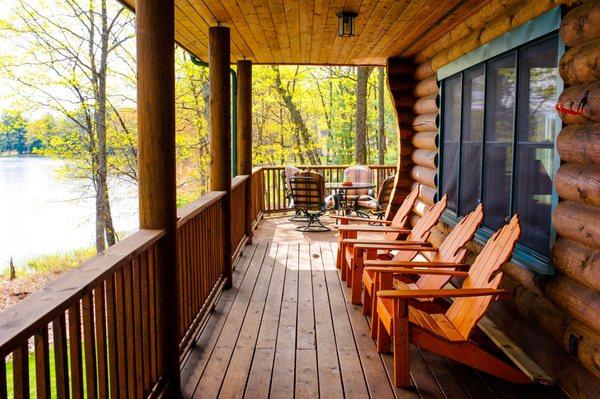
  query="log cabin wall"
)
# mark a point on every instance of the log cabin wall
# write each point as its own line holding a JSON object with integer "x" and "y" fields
{"x": 401, "y": 84}
{"x": 556, "y": 320}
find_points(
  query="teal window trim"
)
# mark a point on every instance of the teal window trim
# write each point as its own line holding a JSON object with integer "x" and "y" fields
{"x": 536, "y": 29}
{"x": 522, "y": 255}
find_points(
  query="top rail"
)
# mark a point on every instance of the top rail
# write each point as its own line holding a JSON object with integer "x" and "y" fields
{"x": 22, "y": 320}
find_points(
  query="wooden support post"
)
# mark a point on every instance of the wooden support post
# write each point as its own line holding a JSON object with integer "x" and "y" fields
{"x": 244, "y": 136}
{"x": 155, "y": 29}
{"x": 220, "y": 133}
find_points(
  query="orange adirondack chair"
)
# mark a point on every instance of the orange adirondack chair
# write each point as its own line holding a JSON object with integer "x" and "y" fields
{"x": 449, "y": 334}
{"x": 391, "y": 230}
{"x": 448, "y": 257}
{"x": 355, "y": 249}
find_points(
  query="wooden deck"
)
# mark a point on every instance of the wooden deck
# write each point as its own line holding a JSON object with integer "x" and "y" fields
{"x": 287, "y": 330}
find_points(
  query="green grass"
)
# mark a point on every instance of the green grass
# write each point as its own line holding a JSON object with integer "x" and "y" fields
{"x": 58, "y": 262}
{"x": 32, "y": 385}
{"x": 32, "y": 382}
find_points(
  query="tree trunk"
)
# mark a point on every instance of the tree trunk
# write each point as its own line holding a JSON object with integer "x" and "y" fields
{"x": 101, "y": 130}
{"x": 297, "y": 119}
{"x": 362, "y": 77}
{"x": 381, "y": 117}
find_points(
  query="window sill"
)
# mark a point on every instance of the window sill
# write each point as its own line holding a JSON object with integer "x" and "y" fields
{"x": 522, "y": 256}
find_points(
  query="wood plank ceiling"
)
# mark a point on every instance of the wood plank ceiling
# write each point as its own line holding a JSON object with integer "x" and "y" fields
{"x": 305, "y": 31}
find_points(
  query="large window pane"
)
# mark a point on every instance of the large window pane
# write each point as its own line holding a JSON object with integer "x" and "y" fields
{"x": 499, "y": 127}
{"x": 451, "y": 136}
{"x": 538, "y": 75}
{"x": 472, "y": 140}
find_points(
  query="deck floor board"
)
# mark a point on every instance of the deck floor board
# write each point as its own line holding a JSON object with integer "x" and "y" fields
{"x": 287, "y": 329}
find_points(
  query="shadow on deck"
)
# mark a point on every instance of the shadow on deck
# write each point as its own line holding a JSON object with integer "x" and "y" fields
{"x": 287, "y": 330}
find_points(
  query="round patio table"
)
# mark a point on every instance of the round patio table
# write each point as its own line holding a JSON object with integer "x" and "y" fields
{"x": 341, "y": 193}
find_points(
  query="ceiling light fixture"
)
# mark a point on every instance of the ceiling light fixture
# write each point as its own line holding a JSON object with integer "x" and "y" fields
{"x": 346, "y": 25}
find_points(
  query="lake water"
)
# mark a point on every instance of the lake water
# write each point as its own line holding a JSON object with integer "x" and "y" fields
{"x": 43, "y": 213}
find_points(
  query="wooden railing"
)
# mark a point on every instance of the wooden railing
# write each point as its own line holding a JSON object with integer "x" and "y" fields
{"x": 257, "y": 196}
{"x": 238, "y": 216}
{"x": 199, "y": 260}
{"x": 273, "y": 184}
{"x": 96, "y": 323}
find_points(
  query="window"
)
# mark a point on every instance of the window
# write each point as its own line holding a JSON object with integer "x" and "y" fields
{"x": 497, "y": 134}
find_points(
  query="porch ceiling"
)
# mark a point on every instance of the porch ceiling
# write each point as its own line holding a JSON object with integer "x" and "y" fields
{"x": 305, "y": 31}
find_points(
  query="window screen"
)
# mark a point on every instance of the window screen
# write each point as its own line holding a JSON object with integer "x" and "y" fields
{"x": 498, "y": 128}
{"x": 535, "y": 142}
{"x": 452, "y": 96}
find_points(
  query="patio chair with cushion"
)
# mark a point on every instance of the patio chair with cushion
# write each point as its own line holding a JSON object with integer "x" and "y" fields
{"x": 286, "y": 175}
{"x": 308, "y": 196}
{"x": 358, "y": 174}
{"x": 366, "y": 205}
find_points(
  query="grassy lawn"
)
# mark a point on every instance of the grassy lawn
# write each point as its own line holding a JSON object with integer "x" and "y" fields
{"x": 32, "y": 386}
{"x": 32, "y": 383}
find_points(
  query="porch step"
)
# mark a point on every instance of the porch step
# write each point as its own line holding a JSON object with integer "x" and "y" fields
{"x": 516, "y": 354}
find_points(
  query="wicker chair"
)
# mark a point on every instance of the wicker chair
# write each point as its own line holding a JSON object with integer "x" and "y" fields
{"x": 308, "y": 196}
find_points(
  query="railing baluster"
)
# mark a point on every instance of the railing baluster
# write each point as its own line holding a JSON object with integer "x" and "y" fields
{"x": 121, "y": 332}
{"x": 145, "y": 321}
{"x": 3, "y": 385}
{"x": 42, "y": 364}
{"x": 61, "y": 356}
{"x": 75, "y": 350}
{"x": 112, "y": 312}
{"x": 101, "y": 338}
{"x": 21, "y": 371}
{"x": 130, "y": 333}
{"x": 89, "y": 346}
{"x": 137, "y": 323}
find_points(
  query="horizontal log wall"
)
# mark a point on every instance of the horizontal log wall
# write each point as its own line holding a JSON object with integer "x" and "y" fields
{"x": 564, "y": 309}
{"x": 401, "y": 86}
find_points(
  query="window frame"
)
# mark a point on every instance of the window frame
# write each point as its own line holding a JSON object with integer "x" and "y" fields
{"x": 537, "y": 30}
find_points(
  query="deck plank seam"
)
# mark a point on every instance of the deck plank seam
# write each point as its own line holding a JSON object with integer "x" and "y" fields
{"x": 201, "y": 331}
{"x": 229, "y": 313}
{"x": 234, "y": 346}
{"x": 261, "y": 316}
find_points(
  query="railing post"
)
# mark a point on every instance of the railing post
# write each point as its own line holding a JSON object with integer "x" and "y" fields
{"x": 220, "y": 133}
{"x": 244, "y": 136}
{"x": 155, "y": 31}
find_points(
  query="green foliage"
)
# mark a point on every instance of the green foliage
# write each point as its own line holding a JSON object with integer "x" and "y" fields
{"x": 13, "y": 130}
{"x": 58, "y": 262}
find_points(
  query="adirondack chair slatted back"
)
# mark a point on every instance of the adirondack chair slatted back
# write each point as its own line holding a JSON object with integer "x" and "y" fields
{"x": 453, "y": 248}
{"x": 400, "y": 220}
{"x": 308, "y": 190}
{"x": 464, "y": 313}
{"x": 422, "y": 229}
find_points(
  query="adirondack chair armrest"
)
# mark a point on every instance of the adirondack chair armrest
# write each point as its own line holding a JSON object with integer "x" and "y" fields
{"x": 396, "y": 247}
{"x": 400, "y": 263}
{"x": 405, "y": 270}
{"x": 357, "y": 219}
{"x": 367, "y": 228}
{"x": 467, "y": 292}
{"x": 355, "y": 241}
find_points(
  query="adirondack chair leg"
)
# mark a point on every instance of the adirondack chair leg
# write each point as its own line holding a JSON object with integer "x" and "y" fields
{"x": 469, "y": 354}
{"x": 366, "y": 302}
{"x": 401, "y": 344}
{"x": 357, "y": 270}
{"x": 380, "y": 282}
{"x": 383, "y": 338}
